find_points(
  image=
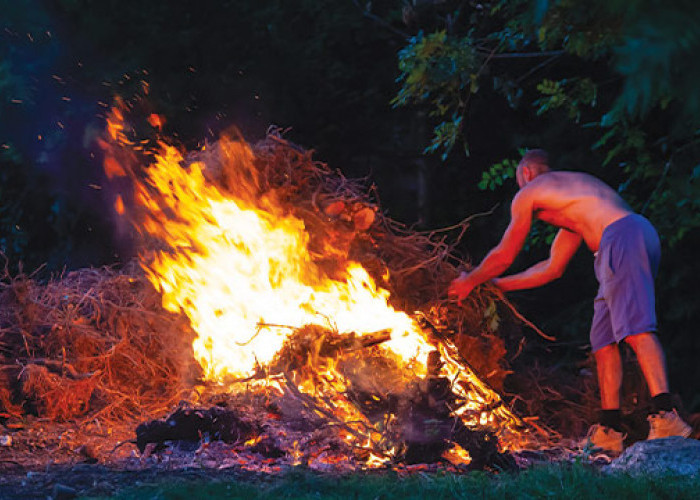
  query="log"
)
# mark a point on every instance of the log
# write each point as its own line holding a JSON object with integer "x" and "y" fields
{"x": 190, "y": 425}
{"x": 298, "y": 350}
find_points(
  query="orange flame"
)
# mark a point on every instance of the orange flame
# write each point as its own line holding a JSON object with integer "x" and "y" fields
{"x": 156, "y": 121}
{"x": 234, "y": 268}
{"x": 237, "y": 263}
{"x": 113, "y": 168}
{"x": 119, "y": 205}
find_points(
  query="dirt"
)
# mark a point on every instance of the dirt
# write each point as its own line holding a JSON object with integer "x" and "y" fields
{"x": 51, "y": 460}
{"x": 40, "y": 459}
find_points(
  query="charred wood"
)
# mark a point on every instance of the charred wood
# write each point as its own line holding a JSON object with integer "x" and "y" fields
{"x": 188, "y": 424}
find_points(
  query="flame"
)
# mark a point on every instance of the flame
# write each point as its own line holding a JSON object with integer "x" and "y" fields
{"x": 242, "y": 272}
{"x": 119, "y": 205}
{"x": 237, "y": 262}
{"x": 113, "y": 168}
{"x": 457, "y": 455}
{"x": 253, "y": 441}
{"x": 156, "y": 121}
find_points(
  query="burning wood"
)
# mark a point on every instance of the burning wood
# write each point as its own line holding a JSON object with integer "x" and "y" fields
{"x": 416, "y": 420}
{"x": 239, "y": 240}
{"x": 390, "y": 415}
{"x": 306, "y": 345}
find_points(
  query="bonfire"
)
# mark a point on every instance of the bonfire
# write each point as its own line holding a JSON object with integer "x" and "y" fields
{"x": 275, "y": 317}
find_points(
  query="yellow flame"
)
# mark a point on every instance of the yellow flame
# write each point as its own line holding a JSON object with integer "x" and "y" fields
{"x": 457, "y": 455}
{"x": 235, "y": 268}
{"x": 238, "y": 264}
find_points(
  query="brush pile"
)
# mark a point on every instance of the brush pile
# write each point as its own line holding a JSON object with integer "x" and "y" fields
{"x": 97, "y": 342}
{"x": 91, "y": 341}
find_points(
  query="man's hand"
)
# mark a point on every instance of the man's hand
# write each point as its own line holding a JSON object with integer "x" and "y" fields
{"x": 461, "y": 287}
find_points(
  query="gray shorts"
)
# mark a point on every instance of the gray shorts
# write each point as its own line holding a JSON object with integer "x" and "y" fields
{"x": 626, "y": 264}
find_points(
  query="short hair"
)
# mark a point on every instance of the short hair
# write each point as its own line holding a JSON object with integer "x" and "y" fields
{"x": 535, "y": 157}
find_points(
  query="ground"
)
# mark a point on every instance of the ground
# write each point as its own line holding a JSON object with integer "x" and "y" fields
{"x": 89, "y": 460}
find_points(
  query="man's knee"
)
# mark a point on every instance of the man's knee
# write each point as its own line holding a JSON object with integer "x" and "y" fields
{"x": 606, "y": 352}
{"x": 638, "y": 338}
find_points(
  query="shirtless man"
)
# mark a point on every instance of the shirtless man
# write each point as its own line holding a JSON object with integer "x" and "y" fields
{"x": 627, "y": 253}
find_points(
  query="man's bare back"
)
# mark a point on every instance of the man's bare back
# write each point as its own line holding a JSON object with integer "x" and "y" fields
{"x": 575, "y": 201}
{"x": 581, "y": 205}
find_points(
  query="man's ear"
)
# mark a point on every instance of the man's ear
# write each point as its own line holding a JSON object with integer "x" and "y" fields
{"x": 527, "y": 173}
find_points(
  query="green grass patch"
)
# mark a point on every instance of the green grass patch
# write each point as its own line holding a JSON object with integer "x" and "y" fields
{"x": 576, "y": 481}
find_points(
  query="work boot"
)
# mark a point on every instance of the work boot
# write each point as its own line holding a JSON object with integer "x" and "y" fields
{"x": 606, "y": 439}
{"x": 666, "y": 424}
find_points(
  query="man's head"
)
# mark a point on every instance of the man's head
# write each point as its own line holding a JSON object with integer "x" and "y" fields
{"x": 533, "y": 163}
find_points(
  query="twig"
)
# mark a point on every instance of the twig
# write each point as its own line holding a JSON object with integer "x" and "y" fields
{"x": 464, "y": 222}
{"x": 518, "y": 315}
{"x": 309, "y": 404}
{"x": 120, "y": 444}
{"x": 520, "y": 55}
{"x": 536, "y": 68}
{"x": 259, "y": 328}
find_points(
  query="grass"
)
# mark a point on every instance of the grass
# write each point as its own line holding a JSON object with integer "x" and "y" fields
{"x": 572, "y": 482}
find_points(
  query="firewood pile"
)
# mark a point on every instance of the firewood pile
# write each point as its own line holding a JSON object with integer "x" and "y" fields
{"x": 97, "y": 344}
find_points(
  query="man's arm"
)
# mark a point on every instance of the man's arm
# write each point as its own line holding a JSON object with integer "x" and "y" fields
{"x": 563, "y": 249}
{"x": 502, "y": 255}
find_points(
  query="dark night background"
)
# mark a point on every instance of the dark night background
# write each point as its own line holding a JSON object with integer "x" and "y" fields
{"x": 431, "y": 99}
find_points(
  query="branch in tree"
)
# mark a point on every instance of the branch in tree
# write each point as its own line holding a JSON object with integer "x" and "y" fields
{"x": 513, "y": 55}
{"x": 658, "y": 186}
{"x": 380, "y": 21}
{"x": 541, "y": 65}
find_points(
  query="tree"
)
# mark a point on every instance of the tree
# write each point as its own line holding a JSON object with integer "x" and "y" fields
{"x": 613, "y": 72}
{"x": 606, "y": 86}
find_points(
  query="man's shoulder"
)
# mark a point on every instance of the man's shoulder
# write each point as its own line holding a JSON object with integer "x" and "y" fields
{"x": 545, "y": 186}
{"x": 524, "y": 199}
{"x": 556, "y": 176}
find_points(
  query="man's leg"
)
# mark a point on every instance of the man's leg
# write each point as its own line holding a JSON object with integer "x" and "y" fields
{"x": 664, "y": 420}
{"x": 609, "y": 367}
{"x": 608, "y": 435}
{"x": 651, "y": 359}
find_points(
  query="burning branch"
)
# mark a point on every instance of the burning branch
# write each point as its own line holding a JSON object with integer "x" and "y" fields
{"x": 236, "y": 241}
